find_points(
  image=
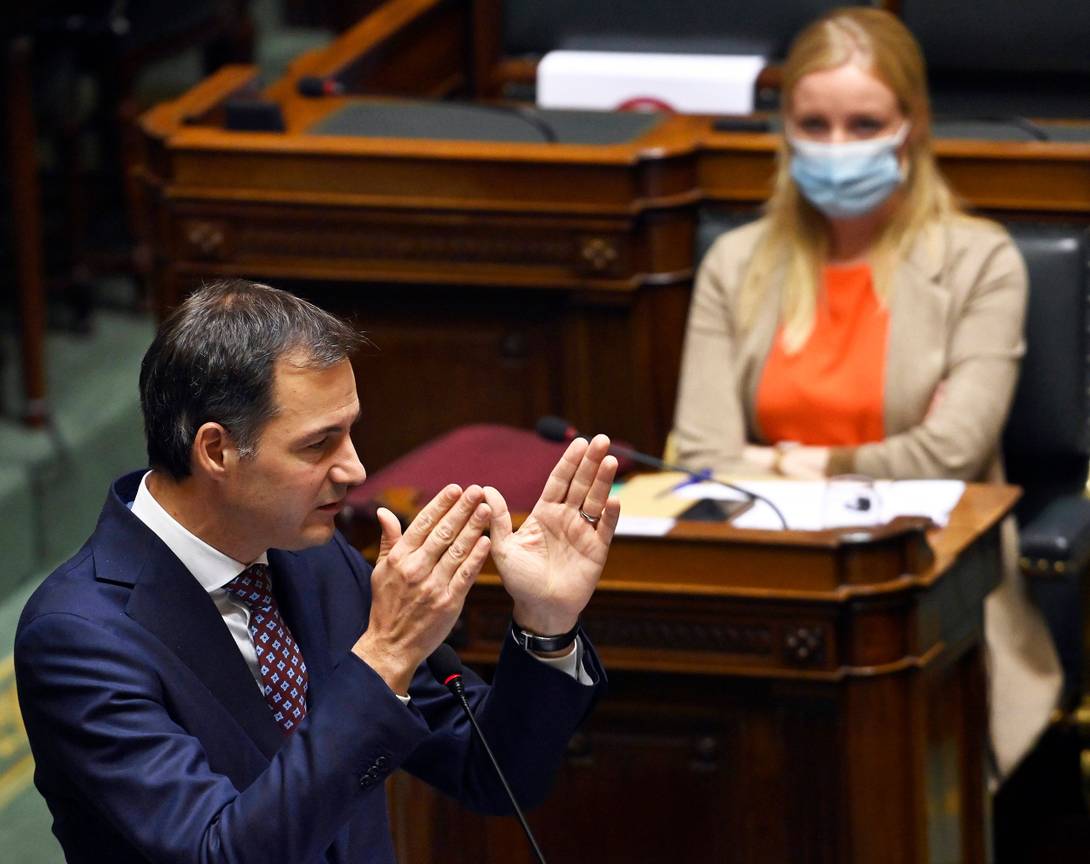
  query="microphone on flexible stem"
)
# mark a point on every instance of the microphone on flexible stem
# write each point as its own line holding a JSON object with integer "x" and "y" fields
{"x": 446, "y": 668}
{"x": 558, "y": 429}
{"x": 316, "y": 86}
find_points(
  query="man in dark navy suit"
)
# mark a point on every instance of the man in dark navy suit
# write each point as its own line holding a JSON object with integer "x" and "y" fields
{"x": 217, "y": 676}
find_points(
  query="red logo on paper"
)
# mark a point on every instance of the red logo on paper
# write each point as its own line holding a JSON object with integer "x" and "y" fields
{"x": 645, "y": 105}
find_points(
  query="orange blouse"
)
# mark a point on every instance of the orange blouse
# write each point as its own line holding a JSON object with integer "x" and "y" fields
{"x": 830, "y": 392}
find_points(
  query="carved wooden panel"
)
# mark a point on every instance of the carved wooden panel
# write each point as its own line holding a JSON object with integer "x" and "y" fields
{"x": 373, "y": 244}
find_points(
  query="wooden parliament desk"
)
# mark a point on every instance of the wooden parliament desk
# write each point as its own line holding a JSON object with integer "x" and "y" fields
{"x": 774, "y": 697}
{"x": 500, "y": 276}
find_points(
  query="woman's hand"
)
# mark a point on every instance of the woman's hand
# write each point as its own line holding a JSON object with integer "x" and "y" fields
{"x": 788, "y": 459}
{"x": 801, "y": 462}
{"x": 760, "y": 458}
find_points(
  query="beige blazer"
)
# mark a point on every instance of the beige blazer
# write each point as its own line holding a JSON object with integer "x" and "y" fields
{"x": 957, "y": 308}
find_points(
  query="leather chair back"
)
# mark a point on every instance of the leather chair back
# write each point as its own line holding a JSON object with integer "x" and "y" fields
{"x": 1047, "y": 439}
{"x": 1007, "y": 35}
{"x": 1004, "y": 57}
{"x": 713, "y": 221}
{"x": 532, "y": 27}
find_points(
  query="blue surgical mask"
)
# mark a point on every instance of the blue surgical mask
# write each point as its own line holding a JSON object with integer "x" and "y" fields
{"x": 847, "y": 179}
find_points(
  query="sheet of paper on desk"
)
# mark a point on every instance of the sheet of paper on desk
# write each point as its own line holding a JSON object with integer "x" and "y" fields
{"x": 805, "y": 507}
{"x": 932, "y": 498}
{"x": 644, "y": 526}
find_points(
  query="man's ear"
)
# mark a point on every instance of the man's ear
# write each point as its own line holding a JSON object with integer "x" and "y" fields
{"x": 214, "y": 451}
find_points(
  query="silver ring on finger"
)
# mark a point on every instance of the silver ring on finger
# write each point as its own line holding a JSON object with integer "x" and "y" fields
{"x": 593, "y": 520}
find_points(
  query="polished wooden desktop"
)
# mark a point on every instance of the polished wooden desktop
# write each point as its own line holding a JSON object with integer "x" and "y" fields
{"x": 774, "y": 697}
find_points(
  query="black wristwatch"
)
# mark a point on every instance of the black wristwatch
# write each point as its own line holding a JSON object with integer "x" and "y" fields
{"x": 544, "y": 644}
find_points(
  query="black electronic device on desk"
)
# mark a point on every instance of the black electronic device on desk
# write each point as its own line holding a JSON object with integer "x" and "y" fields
{"x": 713, "y": 510}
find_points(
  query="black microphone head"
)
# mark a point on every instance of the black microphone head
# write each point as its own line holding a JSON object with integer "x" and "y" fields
{"x": 444, "y": 665}
{"x": 315, "y": 86}
{"x": 556, "y": 429}
{"x": 310, "y": 85}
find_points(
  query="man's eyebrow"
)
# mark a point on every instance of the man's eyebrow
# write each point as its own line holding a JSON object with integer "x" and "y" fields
{"x": 332, "y": 427}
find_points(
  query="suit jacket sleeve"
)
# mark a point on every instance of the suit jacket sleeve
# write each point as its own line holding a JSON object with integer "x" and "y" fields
{"x": 528, "y": 716}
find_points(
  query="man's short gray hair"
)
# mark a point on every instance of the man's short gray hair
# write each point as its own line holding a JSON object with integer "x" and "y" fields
{"x": 213, "y": 360}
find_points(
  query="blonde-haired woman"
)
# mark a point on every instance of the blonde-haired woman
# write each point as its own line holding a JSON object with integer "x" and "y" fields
{"x": 865, "y": 324}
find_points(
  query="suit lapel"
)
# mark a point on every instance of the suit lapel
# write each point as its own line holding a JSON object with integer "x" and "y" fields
{"x": 172, "y": 605}
{"x": 297, "y": 596}
{"x": 298, "y": 599}
{"x": 169, "y": 603}
{"x": 919, "y": 308}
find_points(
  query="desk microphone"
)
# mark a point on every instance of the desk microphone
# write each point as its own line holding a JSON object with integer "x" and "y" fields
{"x": 316, "y": 86}
{"x": 446, "y": 668}
{"x": 558, "y": 429}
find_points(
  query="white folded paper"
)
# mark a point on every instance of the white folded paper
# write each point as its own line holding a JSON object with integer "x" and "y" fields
{"x": 644, "y": 526}
{"x": 688, "y": 83}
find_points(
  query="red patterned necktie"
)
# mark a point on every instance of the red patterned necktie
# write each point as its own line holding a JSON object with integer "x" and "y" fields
{"x": 279, "y": 660}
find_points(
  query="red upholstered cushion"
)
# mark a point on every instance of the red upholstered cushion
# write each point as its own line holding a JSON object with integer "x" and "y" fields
{"x": 515, "y": 461}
